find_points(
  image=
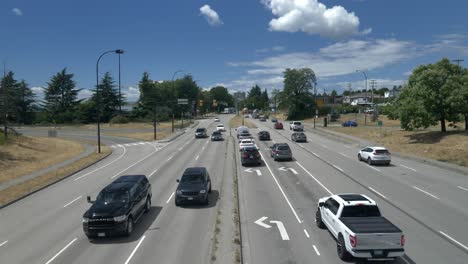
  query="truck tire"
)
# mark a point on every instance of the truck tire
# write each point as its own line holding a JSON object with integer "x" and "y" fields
{"x": 318, "y": 220}
{"x": 148, "y": 204}
{"x": 129, "y": 229}
{"x": 343, "y": 254}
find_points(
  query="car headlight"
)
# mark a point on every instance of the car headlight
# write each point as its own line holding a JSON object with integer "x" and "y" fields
{"x": 203, "y": 191}
{"x": 120, "y": 218}
{"x": 85, "y": 220}
{"x": 179, "y": 192}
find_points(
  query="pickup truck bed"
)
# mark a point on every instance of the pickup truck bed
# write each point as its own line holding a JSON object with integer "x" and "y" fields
{"x": 369, "y": 225}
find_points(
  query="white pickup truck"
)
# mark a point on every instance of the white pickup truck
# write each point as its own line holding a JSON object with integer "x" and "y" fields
{"x": 359, "y": 228}
{"x": 296, "y": 126}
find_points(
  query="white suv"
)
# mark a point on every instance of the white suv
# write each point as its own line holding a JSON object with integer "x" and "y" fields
{"x": 296, "y": 126}
{"x": 375, "y": 155}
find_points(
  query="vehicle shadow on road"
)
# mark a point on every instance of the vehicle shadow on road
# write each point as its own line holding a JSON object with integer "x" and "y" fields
{"x": 212, "y": 201}
{"x": 143, "y": 224}
{"x": 403, "y": 260}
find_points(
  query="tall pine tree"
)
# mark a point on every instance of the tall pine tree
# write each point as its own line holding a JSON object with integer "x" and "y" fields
{"x": 24, "y": 102}
{"x": 107, "y": 98}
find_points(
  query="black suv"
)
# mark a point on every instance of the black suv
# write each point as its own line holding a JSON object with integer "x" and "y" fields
{"x": 118, "y": 207}
{"x": 200, "y": 132}
{"x": 194, "y": 186}
{"x": 250, "y": 156}
{"x": 217, "y": 135}
{"x": 263, "y": 135}
{"x": 299, "y": 137}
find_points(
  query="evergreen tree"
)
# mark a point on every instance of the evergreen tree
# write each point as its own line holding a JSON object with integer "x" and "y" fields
{"x": 24, "y": 102}
{"x": 9, "y": 86}
{"x": 107, "y": 98}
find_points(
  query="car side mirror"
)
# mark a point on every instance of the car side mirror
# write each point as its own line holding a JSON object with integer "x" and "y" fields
{"x": 177, "y": 180}
{"x": 88, "y": 198}
{"x": 321, "y": 204}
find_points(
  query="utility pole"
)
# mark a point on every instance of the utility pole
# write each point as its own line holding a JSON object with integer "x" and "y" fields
{"x": 373, "y": 84}
{"x": 458, "y": 61}
{"x": 4, "y": 106}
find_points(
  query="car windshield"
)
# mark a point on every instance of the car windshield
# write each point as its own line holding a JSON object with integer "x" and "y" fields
{"x": 192, "y": 178}
{"x": 200, "y": 129}
{"x": 381, "y": 151}
{"x": 360, "y": 211}
{"x": 216, "y": 133}
{"x": 109, "y": 197}
{"x": 283, "y": 148}
{"x": 297, "y": 123}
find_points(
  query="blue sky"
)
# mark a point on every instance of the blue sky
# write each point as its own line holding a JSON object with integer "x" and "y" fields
{"x": 233, "y": 43}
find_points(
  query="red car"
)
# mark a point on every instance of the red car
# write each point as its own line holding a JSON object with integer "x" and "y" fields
{"x": 278, "y": 125}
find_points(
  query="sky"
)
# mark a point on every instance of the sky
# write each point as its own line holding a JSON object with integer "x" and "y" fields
{"x": 234, "y": 43}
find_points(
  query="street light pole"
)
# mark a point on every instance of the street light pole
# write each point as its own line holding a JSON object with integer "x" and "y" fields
{"x": 120, "y": 92}
{"x": 173, "y": 86}
{"x": 98, "y": 96}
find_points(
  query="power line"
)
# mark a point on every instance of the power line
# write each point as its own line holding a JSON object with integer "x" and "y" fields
{"x": 458, "y": 61}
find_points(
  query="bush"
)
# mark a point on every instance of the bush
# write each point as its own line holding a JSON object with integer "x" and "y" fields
{"x": 119, "y": 119}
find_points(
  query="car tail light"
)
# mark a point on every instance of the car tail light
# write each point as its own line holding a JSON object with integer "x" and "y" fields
{"x": 403, "y": 241}
{"x": 276, "y": 151}
{"x": 352, "y": 240}
{"x": 245, "y": 155}
{"x": 375, "y": 153}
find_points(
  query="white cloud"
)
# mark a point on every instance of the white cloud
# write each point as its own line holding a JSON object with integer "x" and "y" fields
{"x": 17, "y": 11}
{"x": 84, "y": 94}
{"x": 210, "y": 15}
{"x": 360, "y": 85}
{"x": 313, "y": 17}
{"x": 38, "y": 92}
{"x": 272, "y": 49}
{"x": 131, "y": 93}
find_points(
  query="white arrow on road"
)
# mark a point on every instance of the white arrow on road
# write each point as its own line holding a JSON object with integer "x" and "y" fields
{"x": 279, "y": 224}
{"x": 260, "y": 222}
{"x": 286, "y": 169}
{"x": 259, "y": 173}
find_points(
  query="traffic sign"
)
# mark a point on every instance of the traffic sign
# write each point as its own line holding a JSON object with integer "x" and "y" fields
{"x": 182, "y": 101}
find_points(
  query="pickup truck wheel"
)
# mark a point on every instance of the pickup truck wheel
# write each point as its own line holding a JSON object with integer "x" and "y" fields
{"x": 318, "y": 220}
{"x": 341, "y": 249}
{"x": 129, "y": 229}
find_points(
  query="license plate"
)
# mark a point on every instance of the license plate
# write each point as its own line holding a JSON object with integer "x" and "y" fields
{"x": 251, "y": 156}
{"x": 101, "y": 234}
{"x": 378, "y": 252}
{"x": 190, "y": 198}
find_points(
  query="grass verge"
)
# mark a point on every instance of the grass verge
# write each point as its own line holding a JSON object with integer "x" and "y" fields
{"x": 236, "y": 121}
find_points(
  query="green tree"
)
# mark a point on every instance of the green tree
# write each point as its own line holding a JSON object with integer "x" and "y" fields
{"x": 297, "y": 94}
{"x": 221, "y": 95}
{"x": 460, "y": 96}
{"x": 61, "y": 98}
{"x": 107, "y": 100}
{"x": 24, "y": 103}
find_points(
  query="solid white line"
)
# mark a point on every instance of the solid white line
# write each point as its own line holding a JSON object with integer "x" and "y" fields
{"x": 84, "y": 175}
{"x": 3, "y": 243}
{"x": 60, "y": 252}
{"x": 338, "y": 168}
{"x": 315, "y": 154}
{"x": 170, "y": 158}
{"x": 460, "y": 244}
{"x": 347, "y": 146}
{"x": 462, "y": 188}
{"x": 323, "y": 186}
{"x": 373, "y": 168}
{"x": 306, "y": 233}
{"x": 377, "y": 192}
{"x": 141, "y": 143}
{"x": 281, "y": 189}
{"x": 282, "y": 229}
{"x": 316, "y": 250}
{"x": 196, "y": 158}
{"x": 433, "y": 196}
{"x": 149, "y": 176}
{"x": 342, "y": 154}
{"x": 407, "y": 167}
{"x": 323, "y": 146}
{"x": 134, "y": 250}
{"x": 181, "y": 148}
{"x": 170, "y": 197}
{"x": 72, "y": 201}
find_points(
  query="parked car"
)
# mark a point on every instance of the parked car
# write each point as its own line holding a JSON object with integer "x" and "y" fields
{"x": 359, "y": 228}
{"x": 194, "y": 186}
{"x": 298, "y": 137}
{"x": 374, "y": 155}
{"x": 280, "y": 151}
{"x": 216, "y": 119}
{"x": 278, "y": 125}
{"x": 118, "y": 207}
{"x": 296, "y": 126}
{"x": 246, "y": 142}
{"x": 217, "y": 136}
{"x": 349, "y": 123}
{"x": 200, "y": 132}
{"x": 262, "y": 118}
{"x": 220, "y": 127}
{"x": 274, "y": 120}
{"x": 263, "y": 135}
{"x": 250, "y": 156}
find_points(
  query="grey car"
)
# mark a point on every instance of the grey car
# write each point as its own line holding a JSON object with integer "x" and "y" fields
{"x": 298, "y": 137}
{"x": 281, "y": 151}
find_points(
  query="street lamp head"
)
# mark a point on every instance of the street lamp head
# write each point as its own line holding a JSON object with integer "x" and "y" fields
{"x": 119, "y": 51}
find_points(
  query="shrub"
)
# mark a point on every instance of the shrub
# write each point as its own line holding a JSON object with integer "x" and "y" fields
{"x": 119, "y": 119}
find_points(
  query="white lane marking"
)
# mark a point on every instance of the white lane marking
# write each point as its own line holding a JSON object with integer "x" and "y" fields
{"x": 119, "y": 145}
{"x": 181, "y": 148}
{"x": 207, "y": 142}
{"x": 421, "y": 190}
{"x": 462, "y": 188}
{"x": 74, "y": 200}
{"x": 310, "y": 174}
{"x": 342, "y": 154}
{"x": 170, "y": 158}
{"x": 203, "y": 148}
{"x": 274, "y": 142}
{"x": 134, "y": 144}
{"x": 377, "y": 192}
{"x": 281, "y": 189}
{"x": 4, "y": 243}
{"x": 149, "y": 176}
{"x": 60, "y": 252}
{"x": 84, "y": 175}
{"x": 316, "y": 155}
{"x": 135, "y": 249}
{"x": 113, "y": 146}
{"x": 261, "y": 223}
{"x": 196, "y": 158}
{"x": 373, "y": 168}
{"x": 407, "y": 167}
{"x": 306, "y": 233}
{"x": 170, "y": 197}
{"x": 301, "y": 146}
{"x": 316, "y": 250}
{"x": 346, "y": 146}
{"x": 141, "y": 143}
{"x": 338, "y": 168}
{"x": 323, "y": 146}
{"x": 282, "y": 229}
{"x": 460, "y": 244}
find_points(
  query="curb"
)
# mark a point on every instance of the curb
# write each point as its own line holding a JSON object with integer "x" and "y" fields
{"x": 54, "y": 182}
{"x": 178, "y": 134}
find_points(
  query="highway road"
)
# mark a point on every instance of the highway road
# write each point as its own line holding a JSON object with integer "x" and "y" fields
{"x": 277, "y": 205}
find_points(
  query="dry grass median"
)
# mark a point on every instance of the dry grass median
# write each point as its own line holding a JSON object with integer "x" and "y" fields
{"x": 142, "y": 136}
{"x": 236, "y": 121}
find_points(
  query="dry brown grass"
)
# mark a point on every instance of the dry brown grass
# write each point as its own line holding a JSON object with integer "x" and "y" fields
{"x": 142, "y": 136}
{"x": 449, "y": 147}
{"x": 22, "y": 189}
{"x": 147, "y": 125}
{"x": 24, "y": 155}
{"x": 236, "y": 121}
